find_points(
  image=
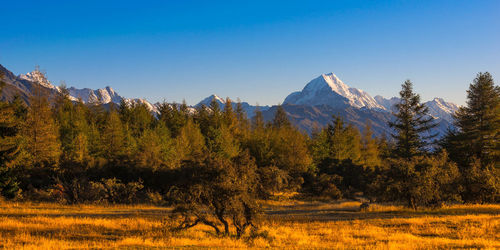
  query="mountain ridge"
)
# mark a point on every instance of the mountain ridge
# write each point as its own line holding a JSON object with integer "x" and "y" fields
{"x": 310, "y": 108}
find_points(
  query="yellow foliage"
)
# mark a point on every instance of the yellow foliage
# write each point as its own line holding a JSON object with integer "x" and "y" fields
{"x": 286, "y": 225}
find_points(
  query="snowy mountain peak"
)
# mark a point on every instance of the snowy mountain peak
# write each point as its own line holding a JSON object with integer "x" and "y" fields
{"x": 328, "y": 89}
{"x": 335, "y": 84}
{"x": 209, "y": 99}
{"x": 38, "y": 77}
{"x": 438, "y": 107}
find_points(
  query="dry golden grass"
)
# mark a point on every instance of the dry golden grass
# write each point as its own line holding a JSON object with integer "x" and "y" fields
{"x": 287, "y": 224}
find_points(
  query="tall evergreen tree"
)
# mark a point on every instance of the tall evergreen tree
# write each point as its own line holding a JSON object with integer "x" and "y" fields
{"x": 173, "y": 116}
{"x": 413, "y": 124}
{"x": 280, "y": 118}
{"x": 258, "y": 120}
{"x": 9, "y": 147}
{"x": 478, "y": 124}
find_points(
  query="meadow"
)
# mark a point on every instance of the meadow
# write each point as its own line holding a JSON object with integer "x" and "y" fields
{"x": 286, "y": 224}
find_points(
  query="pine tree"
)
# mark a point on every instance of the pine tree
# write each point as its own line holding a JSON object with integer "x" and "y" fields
{"x": 243, "y": 131}
{"x": 478, "y": 124}
{"x": 412, "y": 124}
{"x": 280, "y": 118}
{"x": 9, "y": 147}
{"x": 258, "y": 120}
{"x": 215, "y": 116}
{"x": 173, "y": 116}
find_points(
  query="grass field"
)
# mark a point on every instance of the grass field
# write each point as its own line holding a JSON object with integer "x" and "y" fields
{"x": 291, "y": 224}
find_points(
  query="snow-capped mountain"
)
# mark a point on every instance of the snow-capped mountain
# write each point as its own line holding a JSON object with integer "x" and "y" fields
{"x": 249, "y": 109}
{"x": 86, "y": 95}
{"x": 329, "y": 90}
{"x": 24, "y": 84}
{"x": 209, "y": 99}
{"x": 38, "y": 77}
{"x": 438, "y": 107}
{"x": 442, "y": 109}
{"x": 327, "y": 95}
{"x": 310, "y": 108}
{"x": 388, "y": 104}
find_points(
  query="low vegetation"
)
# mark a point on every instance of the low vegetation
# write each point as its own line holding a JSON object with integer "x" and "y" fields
{"x": 286, "y": 224}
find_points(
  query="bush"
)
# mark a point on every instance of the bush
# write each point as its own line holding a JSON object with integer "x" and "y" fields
{"x": 113, "y": 191}
{"x": 215, "y": 192}
{"x": 422, "y": 181}
{"x": 325, "y": 185}
{"x": 103, "y": 191}
{"x": 481, "y": 185}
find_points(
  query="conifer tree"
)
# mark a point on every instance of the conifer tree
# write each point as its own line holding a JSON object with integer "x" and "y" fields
{"x": 41, "y": 132}
{"x": 215, "y": 115}
{"x": 478, "y": 124}
{"x": 20, "y": 109}
{"x": 173, "y": 116}
{"x": 155, "y": 149}
{"x": 242, "y": 121}
{"x": 65, "y": 116}
{"x": 79, "y": 142}
{"x": 9, "y": 147}
{"x": 369, "y": 150}
{"x": 258, "y": 120}
{"x": 240, "y": 112}
{"x": 343, "y": 141}
{"x": 280, "y": 118}
{"x": 113, "y": 137}
{"x": 412, "y": 124}
{"x": 190, "y": 144}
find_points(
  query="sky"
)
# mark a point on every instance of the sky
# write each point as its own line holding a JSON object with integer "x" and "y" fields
{"x": 258, "y": 51}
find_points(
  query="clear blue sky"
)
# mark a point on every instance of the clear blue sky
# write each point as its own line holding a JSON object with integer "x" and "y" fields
{"x": 259, "y": 51}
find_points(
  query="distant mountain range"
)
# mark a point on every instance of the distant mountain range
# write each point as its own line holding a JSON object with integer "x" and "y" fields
{"x": 310, "y": 108}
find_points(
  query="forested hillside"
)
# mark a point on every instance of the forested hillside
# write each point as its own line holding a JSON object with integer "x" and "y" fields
{"x": 220, "y": 161}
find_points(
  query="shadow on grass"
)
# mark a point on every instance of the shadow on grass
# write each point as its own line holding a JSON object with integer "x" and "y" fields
{"x": 347, "y": 214}
{"x": 121, "y": 213}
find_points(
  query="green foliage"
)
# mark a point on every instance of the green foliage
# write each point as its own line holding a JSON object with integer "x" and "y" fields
{"x": 412, "y": 124}
{"x": 113, "y": 137}
{"x": 480, "y": 184}
{"x": 422, "y": 181}
{"x": 475, "y": 146}
{"x": 173, "y": 117}
{"x": 339, "y": 152}
{"x": 9, "y": 147}
{"x": 478, "y": 124}
{"x": 155, "y": 149}
{"x": 370, "y": 152}
{"x": 215, "y": 191}
{"x": 213, "y": 163}
{"x": 281, "y": 118}
{"x": 190, "y": 144}
{"x": 41, "y": 142}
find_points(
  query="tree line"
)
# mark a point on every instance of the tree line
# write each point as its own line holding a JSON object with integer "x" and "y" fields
{"x": 218, "y": 160}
